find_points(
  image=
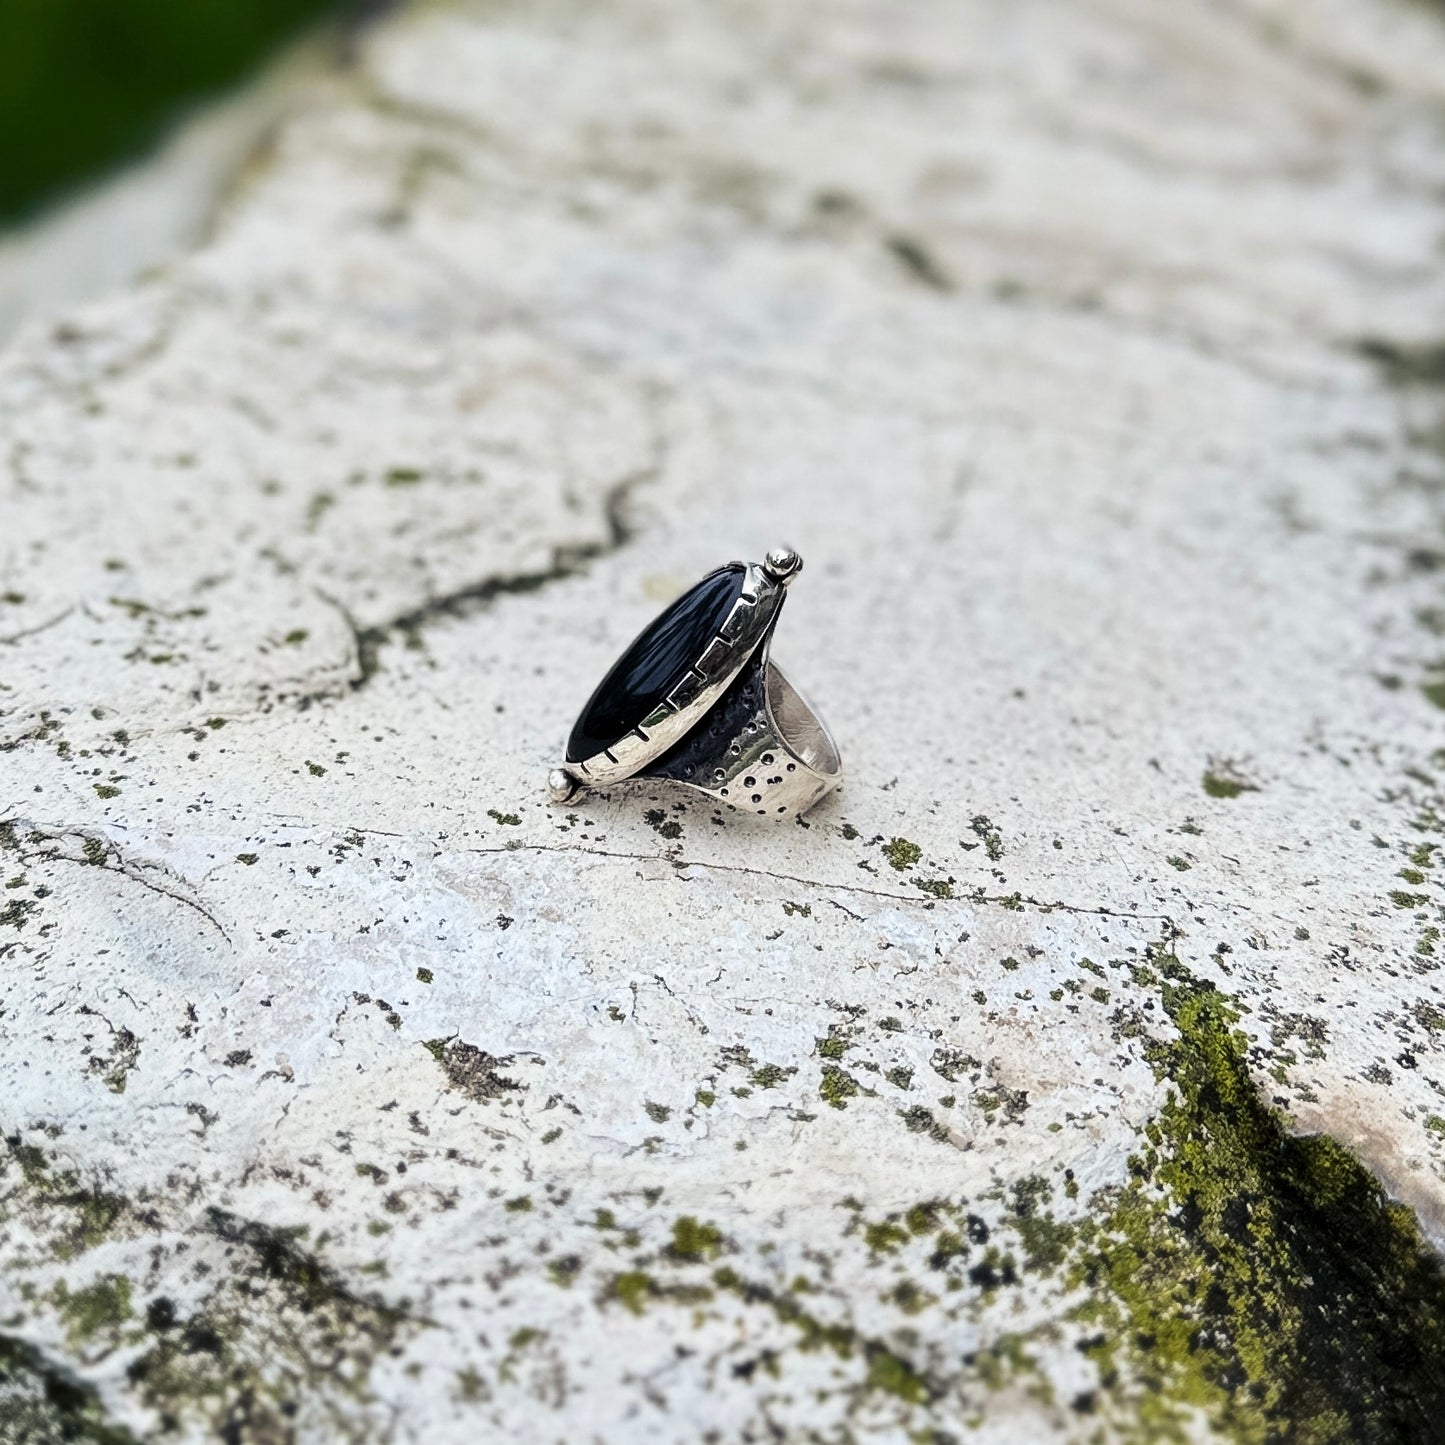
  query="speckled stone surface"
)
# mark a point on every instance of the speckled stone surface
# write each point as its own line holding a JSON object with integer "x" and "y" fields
{"x": 1092, "y": 356}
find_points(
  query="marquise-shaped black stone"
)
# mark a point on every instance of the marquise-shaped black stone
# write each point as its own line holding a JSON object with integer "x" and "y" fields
{"x": 657, "y": 661}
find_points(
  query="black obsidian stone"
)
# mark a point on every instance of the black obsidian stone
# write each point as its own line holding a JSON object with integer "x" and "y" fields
{"x": 657, "y": 661}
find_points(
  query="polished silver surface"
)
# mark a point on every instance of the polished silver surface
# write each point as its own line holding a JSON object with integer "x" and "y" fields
{"x": 782, "y": 564}
{"x": 734, "y": 727}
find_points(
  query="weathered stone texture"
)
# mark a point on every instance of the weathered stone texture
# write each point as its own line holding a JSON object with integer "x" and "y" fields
{"x": 1092, "y": 356}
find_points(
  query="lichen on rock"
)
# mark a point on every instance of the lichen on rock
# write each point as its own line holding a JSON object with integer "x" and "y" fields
{"x": 1074, "y": 1072}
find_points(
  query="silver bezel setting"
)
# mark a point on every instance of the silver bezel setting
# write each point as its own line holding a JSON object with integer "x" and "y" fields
{"x": 743, "y": 630}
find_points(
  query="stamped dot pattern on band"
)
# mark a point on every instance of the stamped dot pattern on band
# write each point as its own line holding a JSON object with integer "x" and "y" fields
{"x": 730, "y": 770}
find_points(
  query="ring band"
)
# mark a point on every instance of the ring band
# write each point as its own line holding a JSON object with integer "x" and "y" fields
{"x": 696, "y": 700}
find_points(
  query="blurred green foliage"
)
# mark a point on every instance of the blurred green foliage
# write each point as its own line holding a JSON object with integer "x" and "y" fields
{"x": 87, "y": 82}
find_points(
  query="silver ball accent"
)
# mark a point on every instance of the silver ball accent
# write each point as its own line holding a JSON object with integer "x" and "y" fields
{"x": 561, "y": 785}
{"x": 782, "y": 563}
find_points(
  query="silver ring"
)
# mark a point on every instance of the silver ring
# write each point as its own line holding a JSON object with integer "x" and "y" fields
{"x": 696, "y": 700}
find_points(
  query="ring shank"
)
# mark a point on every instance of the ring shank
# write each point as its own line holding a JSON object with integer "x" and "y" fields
{"x": 761, "y": 749}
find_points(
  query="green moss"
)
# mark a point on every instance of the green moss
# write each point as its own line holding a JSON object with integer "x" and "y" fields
{"x": 1434, "y": 692}
{"x": 693, "y": 1242}
{"x": 1004, "y": 1359}
{"x": 1223, "y": 782}
{"x": 106, "y": 790}
{"x": 631, "y": 1289}
{"x": 34, "y": 1167}
{"x": 16, "y": 913}
{"x": 658, "y": 1113}
{"x": 507, "y": 820}
{"x": 706, "y": 1098}
{"x": 982, "y": 827}
{"x": 769, "y": 1076}
{"x": 1253, "y": 1275}
{"x": 893, "y": 1375}
{"x": 918, "y": 1120}
{"x": 885, "y": 1237}
{"x": 277, "y": 1326}
{"x": 923, "y": 1218}
{"x": 96, "y": 1214}
{"x": 888, "y": 1370}
{"x": 902, "y": 854}
{"x": 1429, "y": 1016}
{"x": 564, "y": 1270}
{"x": 317, "y": 508}
{"x": 41, "y": 1403}
{"x": 103, "y": 1305}
{"x": 837, "y": 1086}
{"x": 1046, "y": 1241}
{"x": 1402, "y": 899}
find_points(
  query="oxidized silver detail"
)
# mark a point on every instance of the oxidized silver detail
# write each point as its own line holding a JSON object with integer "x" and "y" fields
{"x": 761, "y": 750}
{"x": 734, "y": 727}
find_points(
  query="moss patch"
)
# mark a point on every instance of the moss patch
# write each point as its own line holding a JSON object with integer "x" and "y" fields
{"x": 1224, "y": 780}
{"x": 281, "y": 1328}
{"x": 102, "y": 1305}
{"x": 888, "y": 1370}
{"x": 837, "y": 1086}
{"x": 901, "y": 853}
{"x": 693, "y": 1241}
{"x": 1261, "y": 1277}
{"x": 40, "y": 1402}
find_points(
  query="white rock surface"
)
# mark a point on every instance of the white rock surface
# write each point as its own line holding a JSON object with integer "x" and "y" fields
{"x": 1084, "y": 352}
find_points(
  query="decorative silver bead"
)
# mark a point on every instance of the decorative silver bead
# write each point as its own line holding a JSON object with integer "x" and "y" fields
{"x": 561, "y": 785}
{"x": 782, "y": 564}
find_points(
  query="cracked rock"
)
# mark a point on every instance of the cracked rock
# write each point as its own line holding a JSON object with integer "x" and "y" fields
{"x": 1035, "y": 1085}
